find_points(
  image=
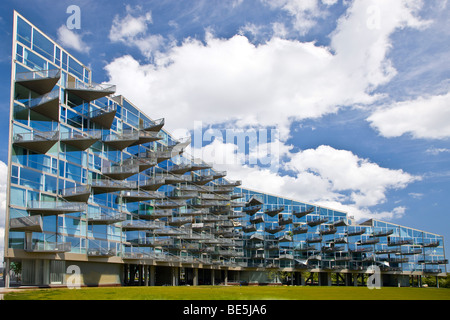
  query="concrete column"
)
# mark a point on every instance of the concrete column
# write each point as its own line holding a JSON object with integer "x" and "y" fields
{"x": 146, "y": 275}
{"x": 174, "y": 276}
{"x": 152, "y": 276}
{"x": 302, "y": 278}
{"x": 6, "y": 275}
{"x": 225, "y": 280}
{"x": 195, "y": 277}
{"x": 355, "y": 279}
{"x": 213, "y": 282}
{"x": 437, "y": 282}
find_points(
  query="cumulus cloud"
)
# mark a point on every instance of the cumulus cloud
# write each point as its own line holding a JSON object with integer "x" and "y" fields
{"x": 424, "y": 117}
{"x": 132, "y": 30}
{"x": 274, "y": 83}
{"x": 324, "y": 176}
{"x": 303, "y": 12}
{"x": 72, "y": 40}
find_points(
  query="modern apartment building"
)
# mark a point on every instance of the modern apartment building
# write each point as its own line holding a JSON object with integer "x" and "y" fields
{"x": 95, "y": 185}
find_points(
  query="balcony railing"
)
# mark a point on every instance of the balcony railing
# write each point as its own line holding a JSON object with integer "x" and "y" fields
{"x": 103, "y": 215}
{"x": 90, "y": 91}
{"x": 152, "y": 184}
{"x": 106, "y": 185}
{"x": 81, "y": 139}
{"x": 135, "y": 195}
{"x": 49, "y": 247}
{"x": 120, "y": 172}
{"x": 137, "y": 225}
{"x": 54, "y": 208}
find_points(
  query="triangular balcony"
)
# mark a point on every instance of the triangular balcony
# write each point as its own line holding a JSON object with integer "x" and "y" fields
{"x": 47, "y": 105}
{"x": 90, "y": 91}
{"x": 135, "y": 195}
{"x": 153, "y": 126}
{"x": 37, "y": 141}
{"x": 105, "y": 216}
{"x": 300, "y": 214}
{"x": 79, "y": 193}
{"x": 284, "y": 221}
{"x": 51, "y": 208}
{"x": 273, "y": 212}
{"x": 137, "y": 225}
{"x": 300, "y": 230}
{"x": 104, "y": 116}
{"x": 27, "y": 224}
{"x": 142, "y": 163}
{"x": 120, "y": 172}
{"x": 81, "y": 139}
{"x": 105, "y": 185}
{"x": 274, "y": 229}
{"x": 317, "y": 222}
{"x": 152, "y": 184}
{"x": 146, "y": 137}
{"x": 122, "y": 140}
{"x": 41, "y": 82}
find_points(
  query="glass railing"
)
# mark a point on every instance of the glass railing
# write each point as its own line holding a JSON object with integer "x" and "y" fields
{"x": 36, "y": 136}
{"x": 38, "y": 75}
{"x": 44, "y": 99}
{"x": 79, "y": 85}
{"x": 81, "y": 135}
{"x": 56, "y": 206}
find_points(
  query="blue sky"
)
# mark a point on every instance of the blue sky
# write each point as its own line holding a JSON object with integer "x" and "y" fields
{"x": 358, "y": 91}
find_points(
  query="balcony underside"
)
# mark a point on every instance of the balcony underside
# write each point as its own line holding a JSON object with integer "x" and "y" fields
{"x": 82, "y": 196}
{"x": 90, "y": 94}
{"x": 274, "y": 212}
{"x": 79, "y": 141}
{"x": 120, "y": 144}
{"x": 303, "y": 213}
{"x": 121, "y": 175}
{"x": 41, "y": 85}
{"x": 49, "y": 109}
{"x": 152, "y": 185}
{"x": 31, "y": 224}
{"x": 104, "y": 118}
{"x": 154, "y": 127}
{"x": 99, "y": 188}
{"x": 40, "y": 146}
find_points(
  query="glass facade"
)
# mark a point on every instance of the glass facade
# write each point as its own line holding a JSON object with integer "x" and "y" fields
{"x": 90, "y": 175}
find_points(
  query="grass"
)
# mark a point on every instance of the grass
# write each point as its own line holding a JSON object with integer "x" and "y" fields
{"x": 231, "y": 293}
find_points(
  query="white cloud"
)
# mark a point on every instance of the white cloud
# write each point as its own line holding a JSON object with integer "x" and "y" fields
{"x": 324, "y": 176}
{"x": 435, "y": 151}
{"x": 303, "y": 12}
{"x": 132, "y": 31}
{"x": 273, "y": 83}
{"x": 72, "y": 40}
{"x": 424, "y": 117}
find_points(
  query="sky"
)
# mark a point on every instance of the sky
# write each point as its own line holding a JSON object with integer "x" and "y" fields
{"x": 340, "y": 103}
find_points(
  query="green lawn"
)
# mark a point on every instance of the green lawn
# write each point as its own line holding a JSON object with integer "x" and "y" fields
{"x": 232, "y": 293}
